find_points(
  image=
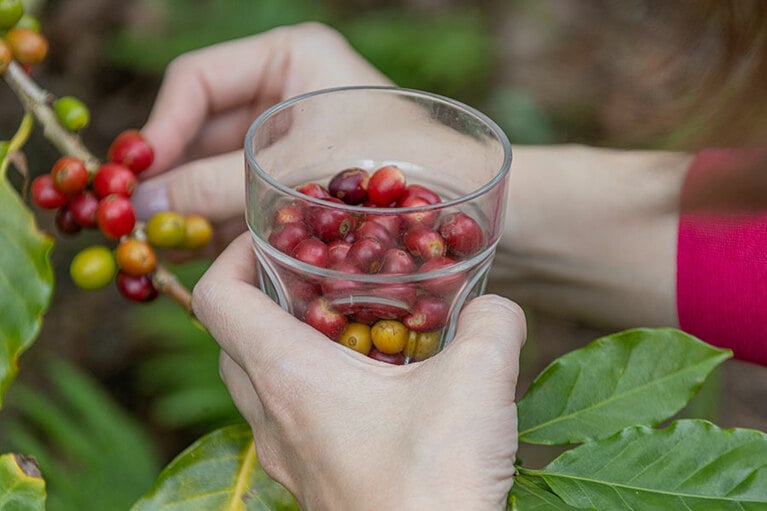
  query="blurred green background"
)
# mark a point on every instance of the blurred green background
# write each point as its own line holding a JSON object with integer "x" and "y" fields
{"x": 112, "y": 391}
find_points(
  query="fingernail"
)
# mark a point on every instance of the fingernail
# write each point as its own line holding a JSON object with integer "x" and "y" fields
{"x": 150, "y": 198}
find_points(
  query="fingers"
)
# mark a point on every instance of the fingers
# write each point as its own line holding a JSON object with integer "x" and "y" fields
{"x": 249, "y": 326}
{"x": 213, "y": 187}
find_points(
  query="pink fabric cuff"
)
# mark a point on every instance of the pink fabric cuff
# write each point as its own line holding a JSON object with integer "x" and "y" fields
{"x": 722, "y": 257}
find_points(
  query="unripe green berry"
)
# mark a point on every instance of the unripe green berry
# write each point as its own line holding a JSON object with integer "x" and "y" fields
{"x": 10, "y": 13}
{"x": 30, "y": 22}
{"x": 93, "y": 268}
{"x": 166, "y": 229}
{"x": 72, "y": 113}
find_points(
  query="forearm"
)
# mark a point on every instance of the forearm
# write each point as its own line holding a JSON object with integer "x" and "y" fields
{"x": 591, "y": 234}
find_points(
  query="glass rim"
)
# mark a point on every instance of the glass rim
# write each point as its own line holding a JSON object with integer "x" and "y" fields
{"x": 500, "y": 136}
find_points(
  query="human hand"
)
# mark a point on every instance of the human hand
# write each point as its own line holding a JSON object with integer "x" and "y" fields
{"x": 345, "y": 432}
{"x": 210, "y": 97}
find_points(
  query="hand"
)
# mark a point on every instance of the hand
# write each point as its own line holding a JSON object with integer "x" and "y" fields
{"x": 342, "y": 431}
{"x": 210, "y": 97}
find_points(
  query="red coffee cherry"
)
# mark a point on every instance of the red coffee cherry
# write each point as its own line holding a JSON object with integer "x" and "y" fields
{"x": 396, "y": 260}
{"x": 392, "y": 223}
{"x": 289, "y": 214}
{"x": 84, "y": 206}
{"x": 312, "y": 251}
{"x": 137, "y": 289}
{"x": 28, "y": 47}
{"x": 446, "y": 285}
{"x": 286, "y": 237}
{"x": 395, "y": 359}
{"x": 114, "y": 178}
{"x": 350, "y": 185}
{"x": 366, "y": 254}
{"x": 70, "y": 175}
{"x": 333, "y": 287}
{"x": 46, "y": 195}
{"x": 425, "y": 244}
{"x": 330, "y": 224}
{"x": 337, "y": 251}
{"x": 131, "y": 150}
{"x": 418, "y": 219}
{"x": 115, "y": 216}
{"x": 386, "y": 185}
{"x": 65, "y": 221}
{"x": 420, "y": 192}
{"x": 321, "y": 315}
{"x": 314, "y": 190}
{"x": 374, "y": 230}
{"x": 463, "y": 235}
{"x": 429, "y": 313}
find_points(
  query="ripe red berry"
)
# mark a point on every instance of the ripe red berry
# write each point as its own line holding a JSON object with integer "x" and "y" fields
{"x": 115, "y": 216}
{"x": 366, "y": 254}
{"x": 442, "y": 285}
{"x": 463, "y": 235}
{"x": 286, "y": 237}
{"x": 84, "y": 206}
{"x": 429, "y": 313}
{"x": 321, "y": 315}
{"x": 314, "y": 190}
{"x": 420, "y": 192}
{"x": 70, "y": 175}
{"x": 65, "y": 221}
{"x": 386, "y": 185}
{"x": 137, "y": 289}
{"x": 337, "y": 251}
{"x": 289, "y": 214}
{"x": 312, "y": 251}
{"x": 330, "y": 224}
{"x": 395, "y": 358}
{"x": 350, "y": 185}
{"x": 392, "y": 223}
{"x": 418, "y": 219}
{"x": 424, "y": 244}
{"x": 131, "y": 150}
{"x": 374, "y": 230}
{"x": 114, "y": 178}
{"x": 335, "y": 288}
{"x": 46, "y": 195}
{"x": 396, "y": 260}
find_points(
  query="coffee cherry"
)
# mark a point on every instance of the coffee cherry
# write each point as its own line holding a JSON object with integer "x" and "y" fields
{"x": 137, "y": 289}
{"x": 114, "y": 178}
{"x": 115, "y": 216}
{"x": 420, "y": 192}
{"x": 418, "y": 219}
{"x": 389, "y": 336}
{"x": 443, "y": 285}
{"x": 28, "y": 47}
{"x": 286, "y": 237}
{"x": 84, "y": 206}
{"x": 386, "y": 185}
{"x": 166, "y": 229}
{"x": 70, "y": 175}
{"x": 198, "y": 232}
{"x": 93, "y": 268}
{"x": 350, "y": 185}
{"x": 370, "y": 229}
{"x": 312, "y": 251}
{"x": 337, "y": 251}
{"x": 422, "y": 345}
{"x": 396, "y": 260}
{"x": 429, "y": 313}
{"x": 45, "y": 194}
{"x": 392, "y": 223}
{"x": 334, "y": 288}
{"x": 135, "y": 257}
{"x": 396, "y": 359}
{"x": 330, "y": 224}
{"x": 66, "y": 222}
{"x": 397, "y": 299}
{"x": 314, "y": 190}
{"x": 131, "y": 150}
{"x": 424, "y": 244}
{"x": 462, "y": 234}
{"x": 71, "y": 113}
{"x": 288, "y": 214}
{"x": 6, "y": 55}
{"x": 321, "y": 315}
{"x": 11, "y": 12}
{"x": 357, "y": 337}
{"x": 366, "y": 254}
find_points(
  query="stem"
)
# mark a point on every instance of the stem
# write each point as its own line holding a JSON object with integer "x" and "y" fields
{"x": 36, "y": 101}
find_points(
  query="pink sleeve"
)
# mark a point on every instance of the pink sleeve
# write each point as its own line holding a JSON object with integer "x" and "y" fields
{"x": 722, "y": 254}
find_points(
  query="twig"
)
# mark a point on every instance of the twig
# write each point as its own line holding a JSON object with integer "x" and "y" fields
{"x": 37, "y": 100}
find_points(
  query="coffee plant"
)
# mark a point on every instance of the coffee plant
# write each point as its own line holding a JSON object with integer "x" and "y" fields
{"x": 610, "y": 402}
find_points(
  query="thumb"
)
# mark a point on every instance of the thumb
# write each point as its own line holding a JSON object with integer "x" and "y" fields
{"x": 490, "y": 333}
{"x": 212, "y": 187}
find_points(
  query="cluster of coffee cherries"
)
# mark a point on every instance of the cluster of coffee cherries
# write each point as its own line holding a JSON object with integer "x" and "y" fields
{"x": 406, "y": 323}
{"x": 20, "y": 37}
{"x": 101, "y": 199}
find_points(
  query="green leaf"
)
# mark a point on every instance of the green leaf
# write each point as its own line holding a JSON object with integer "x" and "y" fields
{"x": 218, "y": 472}
{"x": 636, "y": 377}
{"x": 691, "y": 465}
{"x": 26, "y": 281}
{"x": 21, "y": 487}
{"x": 531, "y": 493}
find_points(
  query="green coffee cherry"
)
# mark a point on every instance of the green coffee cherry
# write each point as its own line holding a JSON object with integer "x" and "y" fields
{"x": 30, "y": 22}
{"x": 11, "y": 12}
{"x": 93, "y": 268}
{"x": 72, "y": 113}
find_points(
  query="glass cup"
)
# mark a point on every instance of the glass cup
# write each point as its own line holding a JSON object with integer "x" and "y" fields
{"x": 425, "y": 180}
